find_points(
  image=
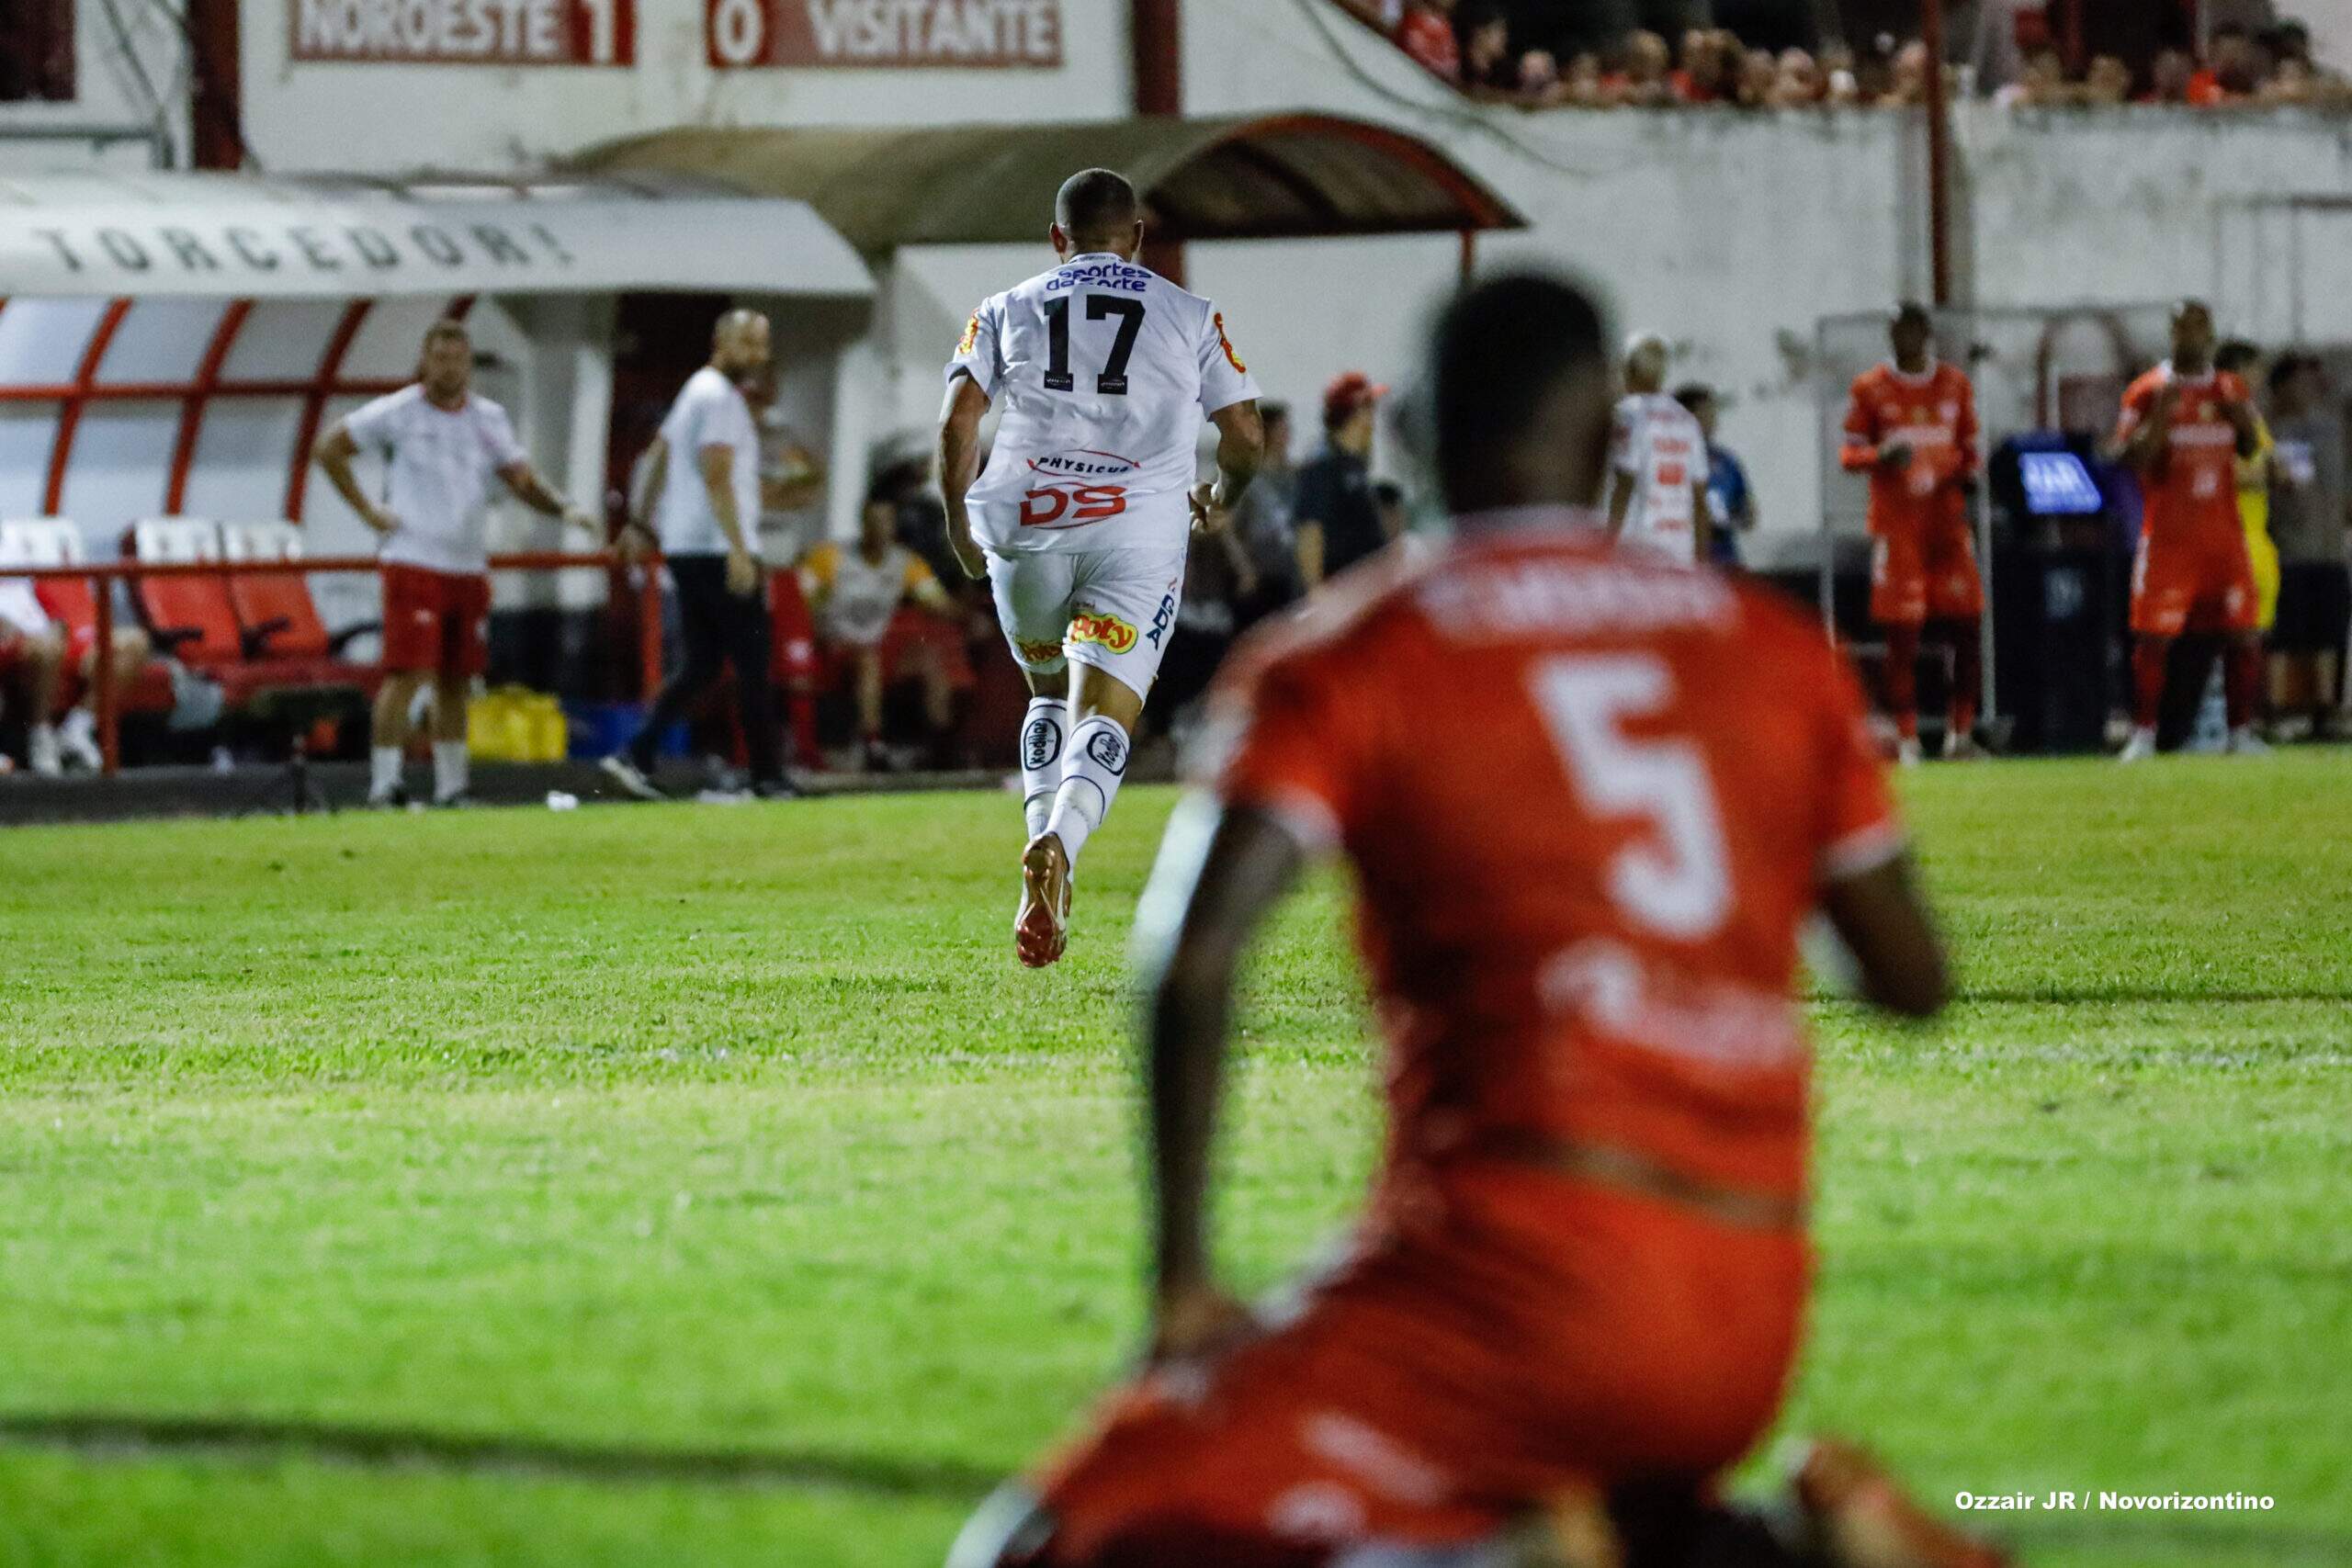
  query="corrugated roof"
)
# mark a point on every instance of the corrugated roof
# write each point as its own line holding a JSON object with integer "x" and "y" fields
{"x": 1278, "y": 176}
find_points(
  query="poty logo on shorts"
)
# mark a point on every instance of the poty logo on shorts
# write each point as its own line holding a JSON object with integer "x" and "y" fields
{"x": 1041, "y": 743}
{"x": 1039, "y": 652}
{"x": 1108, "y": 747}
{"x": 1165, "y": 613}
{"x": 1108, "y": 631}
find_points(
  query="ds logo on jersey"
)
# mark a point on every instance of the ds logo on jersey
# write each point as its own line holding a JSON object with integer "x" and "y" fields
{"x": 1106, "y": 631}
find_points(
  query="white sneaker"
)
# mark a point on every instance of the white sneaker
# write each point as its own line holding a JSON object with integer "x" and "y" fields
{"x": 78, "y": 739}
{"x": 40, "y": 752}
{"x": 2140, "y": 748}
{"x": 2245, "y": 742}
{"x": 1908, "y": 752}
{"x": 632, "y": 779}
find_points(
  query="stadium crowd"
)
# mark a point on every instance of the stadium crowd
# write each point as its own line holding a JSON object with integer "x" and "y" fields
{"x": 1562, "y": 54}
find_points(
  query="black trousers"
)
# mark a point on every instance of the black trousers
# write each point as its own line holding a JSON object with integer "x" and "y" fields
{"x": 718, "y": 628}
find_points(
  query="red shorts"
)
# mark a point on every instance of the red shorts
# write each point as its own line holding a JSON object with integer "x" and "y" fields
{"x": 1925, "y": 574}
{"x": 433, "y": 621}
{"x": 911, "y": 635}
{"x": 2199, "y": 580}
{"x": 1545, "y": 1337}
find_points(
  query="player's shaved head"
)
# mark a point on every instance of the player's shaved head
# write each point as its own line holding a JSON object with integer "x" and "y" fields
{"x": 1911, "y": 331}
{"x": 1097, "y": 210}
{"x": 1518, "y": 382}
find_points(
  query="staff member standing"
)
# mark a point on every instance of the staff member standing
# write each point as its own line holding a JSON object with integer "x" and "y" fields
{"x": 441, "y": 445}
{"x": 703, "y": 495}
{"x": 1339, "y": 520}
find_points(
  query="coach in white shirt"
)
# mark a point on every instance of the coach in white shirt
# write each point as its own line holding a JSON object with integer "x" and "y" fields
{"x": 441, "y": 445}
{"x": 701, "y": 502}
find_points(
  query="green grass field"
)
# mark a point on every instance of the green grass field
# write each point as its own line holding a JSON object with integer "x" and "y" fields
{"x": 708, "y": 1186}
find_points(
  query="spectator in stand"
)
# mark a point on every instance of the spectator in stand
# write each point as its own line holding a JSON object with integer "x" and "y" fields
{"x": 2109, "y": 83}
{"x": 2041, "y": 85}
{"x": 1489, "y": 64}
{"x": 1340, "y": 520}
{"x": 2311, "y": 512}
{"x": 1426, "y": 32}
{"x": 1760, "y": 72}
{"x": 2171, "y": 78}
{"x": 2234, "y": 68}
{"x": 1583, "y": 85}
{"x": 1799, "y": 83}
{"x": 1910, "y": 85}
{"x": 1643, "y": 79}
{"x": 1730, "y": 503}
{"x": 1705, "y": 75}
{"x": 1841, "y": 86}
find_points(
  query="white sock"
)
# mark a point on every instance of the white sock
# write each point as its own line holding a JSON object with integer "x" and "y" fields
{"x": 383, "y": 772}
{"x": 1091, "y": 769}
{"x": 1043, "y": 730}
{"x": 448, "y": 769}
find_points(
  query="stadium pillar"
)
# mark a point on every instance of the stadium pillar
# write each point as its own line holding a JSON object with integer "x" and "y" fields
{"x": 216, "y": 111}
{"x": 1156, "y": 48}
{"x": 1931, "y": 33}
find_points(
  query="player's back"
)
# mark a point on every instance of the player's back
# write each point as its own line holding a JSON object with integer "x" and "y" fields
{"x": 1102, "y": 371}
{"x": 1588, "y": 797}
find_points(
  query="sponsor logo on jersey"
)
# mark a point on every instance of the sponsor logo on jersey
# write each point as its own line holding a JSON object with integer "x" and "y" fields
{"x": 1123, "y": 276}
{"x": 1093, "y": 503}
{"x": 971, "y": 335}
{"x": 1102, "y": 629}
{"x": 1226, "y": 344}
{"x": 1108, "y": 747}
{"x": 1082, "y": 463}
{"x": 1161, "y": 617}
{"x": 1037, "y": 652}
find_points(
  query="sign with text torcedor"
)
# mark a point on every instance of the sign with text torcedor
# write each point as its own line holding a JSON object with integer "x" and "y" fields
{"x": 465, "y": 32}
{"x": 883, "y": 34}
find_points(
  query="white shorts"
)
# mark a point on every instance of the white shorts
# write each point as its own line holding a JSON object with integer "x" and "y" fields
{"x": 1113, "y": 609}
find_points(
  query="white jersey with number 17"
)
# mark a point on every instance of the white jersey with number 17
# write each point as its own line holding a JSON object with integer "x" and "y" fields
{"x": 1102, "y": 370}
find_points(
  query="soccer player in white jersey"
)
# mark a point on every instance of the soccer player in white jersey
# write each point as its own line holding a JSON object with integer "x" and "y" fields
{"x": 1102, "y": 370}
{"x": 1657, "y": 464}
{"x": 441, "y": 443}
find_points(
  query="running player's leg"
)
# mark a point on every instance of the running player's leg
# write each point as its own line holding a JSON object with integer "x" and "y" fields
{"x": 1899, "y": 605}
{"x": 1967, "y": 637}
{"x": 1955, "y": 602}
{"x": 1126, "y": 610}
{"x": 463, "y": 656}
{"x": 1902, "y": 686}
{"x": 1032, "y": 593}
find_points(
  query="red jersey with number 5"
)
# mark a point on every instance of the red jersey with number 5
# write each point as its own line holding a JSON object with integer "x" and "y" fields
{"x": 1590, "y": 799}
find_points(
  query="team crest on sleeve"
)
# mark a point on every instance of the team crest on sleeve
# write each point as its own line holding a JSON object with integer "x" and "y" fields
{"x": 1226, "y": 344}
{"x": 971, "y": 335}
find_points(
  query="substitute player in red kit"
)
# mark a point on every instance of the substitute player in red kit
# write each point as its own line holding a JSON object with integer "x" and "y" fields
{"x": 1911, "y": 425}
{"x": 2185, "y": 426}
{"x": 1589, "y": 796}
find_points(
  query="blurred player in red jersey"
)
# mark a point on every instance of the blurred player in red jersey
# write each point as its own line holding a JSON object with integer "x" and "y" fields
{"x": 1911, "y": 425}
{"x": 2185, "y": 426}
{"x": 1590, "y": 797}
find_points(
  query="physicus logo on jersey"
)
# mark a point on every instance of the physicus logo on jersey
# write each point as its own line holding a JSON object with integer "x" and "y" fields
{"x": 971, "y": 339}
{"x": 1109, "y": 272}
{"x": 1226, "y": 344}
{"x": 1102, "y": 629}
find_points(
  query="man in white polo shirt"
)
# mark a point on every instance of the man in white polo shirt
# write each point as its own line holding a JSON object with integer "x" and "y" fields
{"x": 701, "y": 501}
{"x": 441, "y": 445}
{"x": 1657, "y": 464}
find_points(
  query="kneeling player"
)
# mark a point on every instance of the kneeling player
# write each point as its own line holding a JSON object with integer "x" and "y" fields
{"x": 1911, "y": 425}
{"x": 1103, "y": 369}
{"x": 1578, "y": 1296}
